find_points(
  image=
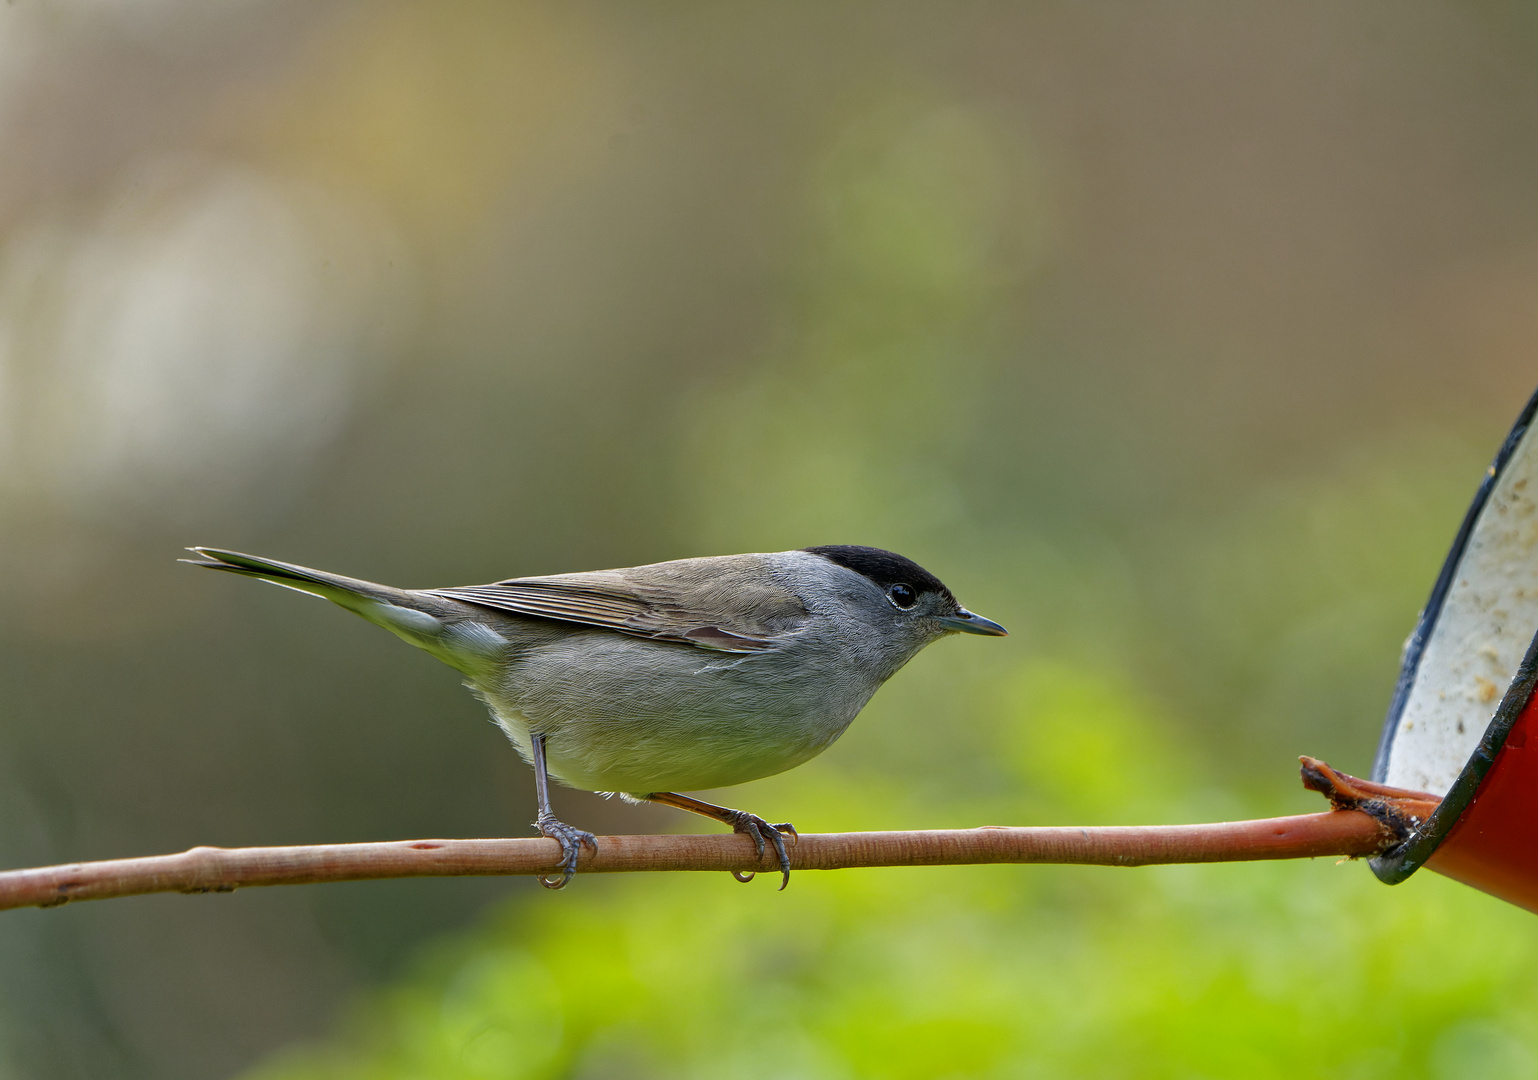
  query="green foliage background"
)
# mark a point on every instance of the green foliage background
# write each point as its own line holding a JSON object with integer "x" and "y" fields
{"x": 1175, "y": 338}
{"x": 870, "y": 418}
{"x": 1243, "y": 970}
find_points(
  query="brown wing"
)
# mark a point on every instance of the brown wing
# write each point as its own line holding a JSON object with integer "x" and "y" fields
{"x": 728, "y": 604}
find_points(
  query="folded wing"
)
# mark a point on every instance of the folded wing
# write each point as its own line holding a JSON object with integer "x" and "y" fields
{"x": 726, "y": 604}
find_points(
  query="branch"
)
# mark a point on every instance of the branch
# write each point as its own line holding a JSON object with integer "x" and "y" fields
{"x": 1343, "y": 831}
{"x": 208, "y": 869}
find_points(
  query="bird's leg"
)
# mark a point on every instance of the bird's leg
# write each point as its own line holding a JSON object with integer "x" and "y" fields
{"x": 740, "y": 821}
{"x": 570, "y": 839}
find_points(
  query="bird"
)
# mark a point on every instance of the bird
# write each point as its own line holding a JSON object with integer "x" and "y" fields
{"x": 648, "y": 681}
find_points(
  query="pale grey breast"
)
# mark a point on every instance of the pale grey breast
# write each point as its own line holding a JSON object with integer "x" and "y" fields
{"x": 622, "y": 713}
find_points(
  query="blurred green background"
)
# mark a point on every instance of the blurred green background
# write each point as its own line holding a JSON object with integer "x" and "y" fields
{"x": 1174, "y": 337}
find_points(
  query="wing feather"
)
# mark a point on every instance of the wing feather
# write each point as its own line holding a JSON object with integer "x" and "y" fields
{"x": 721, "y": 604}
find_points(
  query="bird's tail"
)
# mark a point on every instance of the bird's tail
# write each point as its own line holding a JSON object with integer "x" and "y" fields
{"x": 409, "y": 614}
{"x": 349, "y": 592}
{"x": 446, "y": 628}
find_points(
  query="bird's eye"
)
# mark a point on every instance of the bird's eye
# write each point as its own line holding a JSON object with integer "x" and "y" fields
{"x": 903, "y": 595}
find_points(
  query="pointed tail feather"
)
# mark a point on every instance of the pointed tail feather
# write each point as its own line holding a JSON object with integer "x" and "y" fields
{"x": 350, "y": 593}
{"x": 446, "y": 628}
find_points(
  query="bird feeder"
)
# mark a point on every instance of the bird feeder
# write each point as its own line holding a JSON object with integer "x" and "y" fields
{"x": 1463, "y": 721}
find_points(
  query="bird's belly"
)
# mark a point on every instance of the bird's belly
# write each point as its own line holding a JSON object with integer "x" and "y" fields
{"x": 625, "y": 714}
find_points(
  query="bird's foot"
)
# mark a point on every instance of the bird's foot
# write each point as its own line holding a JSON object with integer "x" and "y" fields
{"x": 571, "y": 841}
{"x": 760, "y": 830}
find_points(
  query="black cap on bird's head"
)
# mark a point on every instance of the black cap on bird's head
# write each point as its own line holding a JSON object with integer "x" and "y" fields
{"x": 904, "y": 580}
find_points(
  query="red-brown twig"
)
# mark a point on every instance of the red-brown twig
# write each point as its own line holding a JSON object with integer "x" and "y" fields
{"x": 204, "y": 869}
{"x": 1345, "y": 830}
{"x": 1401, "y": 810}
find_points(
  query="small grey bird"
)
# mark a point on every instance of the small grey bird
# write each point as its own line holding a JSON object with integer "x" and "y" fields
{"x": 677, "y": 676}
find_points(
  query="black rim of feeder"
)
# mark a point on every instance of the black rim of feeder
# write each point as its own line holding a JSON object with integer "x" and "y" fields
{"x": 1398, "y": 863}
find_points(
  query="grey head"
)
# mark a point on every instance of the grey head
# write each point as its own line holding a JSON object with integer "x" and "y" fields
{"x": 899, "y": 598}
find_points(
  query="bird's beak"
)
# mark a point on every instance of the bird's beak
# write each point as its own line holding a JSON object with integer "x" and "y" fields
{"x": 968, "y": 623}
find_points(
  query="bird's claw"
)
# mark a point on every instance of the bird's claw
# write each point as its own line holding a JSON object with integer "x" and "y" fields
{"x": 571, "y": 840}
{"x": 760, "y": 830}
